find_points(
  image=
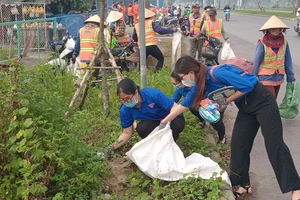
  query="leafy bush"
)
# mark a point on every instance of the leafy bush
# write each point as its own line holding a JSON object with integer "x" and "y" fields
{"x": 142, "y": 187}
{"x": 42, "y": 154}
{"x": 45, "y": 155}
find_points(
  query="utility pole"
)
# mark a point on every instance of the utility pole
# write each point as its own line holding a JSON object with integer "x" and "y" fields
{"x": 142, "y": 39}
{"x": 157, "y": 4}
{"x": 147, "y": 4}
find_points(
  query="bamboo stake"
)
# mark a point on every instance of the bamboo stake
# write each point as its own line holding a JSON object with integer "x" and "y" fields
{"x": 99, "y": 68}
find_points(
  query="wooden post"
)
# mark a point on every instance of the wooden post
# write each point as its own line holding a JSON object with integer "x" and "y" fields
{"x": 103, "y": 58}
{"x": 104, "y": 53}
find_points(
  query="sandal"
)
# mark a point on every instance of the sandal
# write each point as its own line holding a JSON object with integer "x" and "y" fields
{"x": 201, "y": 125}
{"x": 223, "y": 141}
{"x": 248, "y": 192}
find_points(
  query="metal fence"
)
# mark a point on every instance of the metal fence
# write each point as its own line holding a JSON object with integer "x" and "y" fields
{"x": 14, "y": 12}
{"x": 17, "y": 34}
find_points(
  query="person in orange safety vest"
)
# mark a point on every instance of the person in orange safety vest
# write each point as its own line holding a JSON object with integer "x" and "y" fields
{"x": 151, "y": 28}
{"x": 88, "y": 40}
{"x": 214, "y": 26}
{"x": 193, "y": 28}
{"x": 120, "y": 32}
{"x": 273, "y": 57}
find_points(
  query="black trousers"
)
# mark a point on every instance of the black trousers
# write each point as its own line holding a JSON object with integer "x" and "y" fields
{"x": 219, "y": 126}
{"x": 145, "y": 127}
{"x": 154, "y": 51}
{"x": 130, "y": 20}
{"x": 259, "y": 109}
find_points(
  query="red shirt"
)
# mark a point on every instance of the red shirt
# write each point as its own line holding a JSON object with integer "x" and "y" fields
{"x": 122, "y": 9}
{"x": 135, "y": 9}
{"x": 130, "y": 12}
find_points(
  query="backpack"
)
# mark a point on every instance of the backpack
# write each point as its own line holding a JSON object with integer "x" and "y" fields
{"x": 241, "y": 63}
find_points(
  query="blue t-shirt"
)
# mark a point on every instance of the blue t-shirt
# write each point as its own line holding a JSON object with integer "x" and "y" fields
{"x": 155, "y": 106}
{"x": 178, "y": 93}
{"x": 227, "y": 75}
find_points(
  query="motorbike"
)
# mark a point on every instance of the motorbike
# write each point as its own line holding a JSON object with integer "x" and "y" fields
{"x": 65, "y": 51}
{"x": 210, "y": 51}
{"x": 227, "y": 14}
{"x": 122, "y": 53}
{"x": 167, "y": 20}
{"x": 297, "y": 28}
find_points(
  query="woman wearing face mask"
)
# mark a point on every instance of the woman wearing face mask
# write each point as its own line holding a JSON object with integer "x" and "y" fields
{"x": 149, "y": 106}
{"x": 183, "y": 90}
{"x": 257, "y": 108}
{"x": 273, "y": 58}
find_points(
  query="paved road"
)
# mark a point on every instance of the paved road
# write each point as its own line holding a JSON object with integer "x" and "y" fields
{"x": 243, "y": 32}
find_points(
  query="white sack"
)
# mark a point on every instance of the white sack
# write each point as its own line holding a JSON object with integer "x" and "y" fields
{"x": 158, "y": 156}
{"x": 227, "y": 52}
{"x": 176, "y": 47}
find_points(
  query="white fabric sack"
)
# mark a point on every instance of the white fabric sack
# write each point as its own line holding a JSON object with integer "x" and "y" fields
{"x": 176, "y": 47}
{"x": 158, "y": 156}
{"x": 227, "y": 52}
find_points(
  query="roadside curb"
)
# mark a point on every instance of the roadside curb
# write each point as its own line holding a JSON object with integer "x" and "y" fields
{"x": 226, "y": 191}
{"x": 262, "y": 15}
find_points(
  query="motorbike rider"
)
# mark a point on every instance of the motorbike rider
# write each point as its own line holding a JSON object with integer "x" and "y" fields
{"x": 214, "y": 27}
{"x": 151, "y": 28}
{"x": 227, "y": 7}
{"x": 207, "y": 8}
{"x": 193, "y": 27}
{"x": 298, "y": 20}
{"x": 119, "y": 32}
{"x": 187, "y": 11}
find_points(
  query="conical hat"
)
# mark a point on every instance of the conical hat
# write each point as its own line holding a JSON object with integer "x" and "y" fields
{"x": 114, "y": 16}
{"x": 273, "y": 22}
{"x": 94, "y": 18}
{"x": 148, "y": 13}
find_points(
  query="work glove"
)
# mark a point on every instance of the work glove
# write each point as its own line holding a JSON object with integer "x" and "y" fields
{"x": 162, "y": 125}
{"x": 73, "y": 59}
{"x": 106, "y": 153}
{"x": 227, "y": 39}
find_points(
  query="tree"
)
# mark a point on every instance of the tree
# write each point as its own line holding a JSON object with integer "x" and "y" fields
{"x": 65, "y": 6}
{"x": 296, "y": 5}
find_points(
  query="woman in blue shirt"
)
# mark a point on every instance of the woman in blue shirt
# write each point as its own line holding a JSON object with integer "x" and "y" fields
{"x": 257, "y": 108}
{"x": 182, "y": 90}
{"x": 149, "y": 106}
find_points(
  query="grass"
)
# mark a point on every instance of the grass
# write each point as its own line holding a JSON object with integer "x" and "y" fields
{"x": 4, "y": 54}
{"x": 50, "y": 95}
{"x": 267, "y": 13}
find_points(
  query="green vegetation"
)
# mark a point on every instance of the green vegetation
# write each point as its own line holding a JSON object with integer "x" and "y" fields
{"x": 267, "y": 13}
{"x": 46, "y": 155}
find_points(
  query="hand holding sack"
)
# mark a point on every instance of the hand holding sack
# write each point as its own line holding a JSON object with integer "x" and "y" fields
{"x": 289, "y": 107}
{"x": 227, "y": 52}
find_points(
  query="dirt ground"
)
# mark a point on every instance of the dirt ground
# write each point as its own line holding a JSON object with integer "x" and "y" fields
{"x": 120, "y": 167}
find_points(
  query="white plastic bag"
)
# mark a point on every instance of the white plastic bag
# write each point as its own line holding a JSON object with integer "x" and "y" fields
{"x": 227, "y": 52}
{"x": 158, "y": 156}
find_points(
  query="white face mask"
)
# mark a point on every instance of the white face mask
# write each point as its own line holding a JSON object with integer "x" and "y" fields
{"x": 189, "y": 82}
